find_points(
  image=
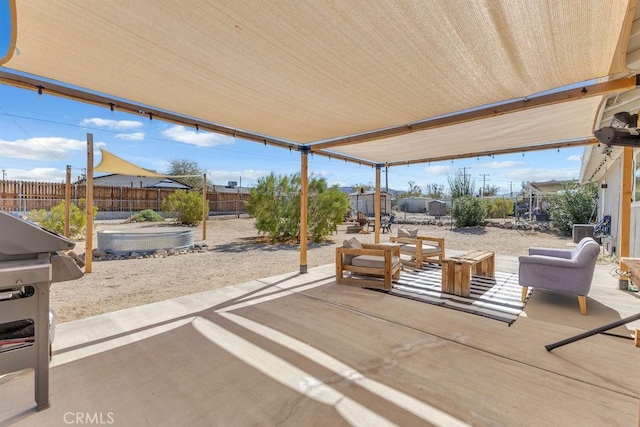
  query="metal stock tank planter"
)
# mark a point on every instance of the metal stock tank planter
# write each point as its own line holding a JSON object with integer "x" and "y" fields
{"x": 145, "y": 240}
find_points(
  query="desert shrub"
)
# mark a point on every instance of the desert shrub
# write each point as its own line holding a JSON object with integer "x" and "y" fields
{"x": 573, "y": 205}
{"x": 54, "y": 220}
{"x": 38, "y": 215}
{"x": 147, "y": 215}
{"x": 275, "y": 204}
{"x": 187, "y": 206}
{"x": 498, "y": 207}
{"x": 467, "y": 212}
{"x": 327, "y": 207}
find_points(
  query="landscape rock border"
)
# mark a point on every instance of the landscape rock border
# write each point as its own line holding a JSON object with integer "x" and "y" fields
{"x": 100, "y": 255}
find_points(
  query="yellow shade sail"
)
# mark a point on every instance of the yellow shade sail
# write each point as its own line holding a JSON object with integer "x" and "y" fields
{"x": 113, "y": 164}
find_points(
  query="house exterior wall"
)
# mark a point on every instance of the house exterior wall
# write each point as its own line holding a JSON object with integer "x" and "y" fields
{"x": 609, "y": 204}
{"x": 602, "y": 167}
{"x": 634, "y": 242}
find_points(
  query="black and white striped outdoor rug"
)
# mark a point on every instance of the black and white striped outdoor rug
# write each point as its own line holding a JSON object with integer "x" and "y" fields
{"x": 497, "y": 298}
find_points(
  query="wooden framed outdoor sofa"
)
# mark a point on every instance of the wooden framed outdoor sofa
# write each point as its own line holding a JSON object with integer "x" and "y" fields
{"x": 367, "y": 265}
{"x": 420, "y": 249}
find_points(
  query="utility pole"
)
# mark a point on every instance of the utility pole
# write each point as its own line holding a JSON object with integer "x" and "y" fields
{"x": 386, "y": 177}
{"x": 465, "y": 174}
{"x": 514, "y": 200}
{"x": 484, "y": 177}
{"x": 466, "y": 181}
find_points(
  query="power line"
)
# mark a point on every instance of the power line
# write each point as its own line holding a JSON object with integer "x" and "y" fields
{"x": 31, "y": 137}
{"x": 152, "y": 138}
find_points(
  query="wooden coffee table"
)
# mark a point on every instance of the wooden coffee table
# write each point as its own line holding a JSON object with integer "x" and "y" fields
{"x": 457, "y": 271}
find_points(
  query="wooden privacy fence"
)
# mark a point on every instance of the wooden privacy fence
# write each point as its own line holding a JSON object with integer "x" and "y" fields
{"x": 24, "y": 196}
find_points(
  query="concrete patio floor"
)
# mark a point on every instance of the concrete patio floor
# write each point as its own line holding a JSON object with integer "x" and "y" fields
{"x": 300, "y": 350}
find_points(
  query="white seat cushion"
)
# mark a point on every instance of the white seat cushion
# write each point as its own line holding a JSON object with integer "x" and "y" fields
{"x": 372, "y": 261}
{"x": 426, "y": 249}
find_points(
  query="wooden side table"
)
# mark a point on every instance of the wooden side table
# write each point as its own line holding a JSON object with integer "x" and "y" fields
{"x": 457, "y": 271}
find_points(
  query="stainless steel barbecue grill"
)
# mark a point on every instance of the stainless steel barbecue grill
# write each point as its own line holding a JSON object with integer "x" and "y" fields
{"x": 29, "y": 262}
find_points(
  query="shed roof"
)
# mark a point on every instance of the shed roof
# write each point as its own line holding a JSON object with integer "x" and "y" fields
{"x": 549, "y": 187}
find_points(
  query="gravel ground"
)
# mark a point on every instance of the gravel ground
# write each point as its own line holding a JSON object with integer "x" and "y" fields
{"x": 236, "y": 253}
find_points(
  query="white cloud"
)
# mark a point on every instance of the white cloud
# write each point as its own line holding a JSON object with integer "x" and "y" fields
{"x": 112, "y": 124}
{"x": 532, "y": 174}
{"x": 575, "y": 158}
{"x": 247, "y": 176}
{"x": 37, "y": 174}
{"x": 201, "y": 139}
{"x": 47, "y": 148}
{"x": 500, "y": 165}
{"x": 438, "y": 170}
{"x": 136, "y": 136}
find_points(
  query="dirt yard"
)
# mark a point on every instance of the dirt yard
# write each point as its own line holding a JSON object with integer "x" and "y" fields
{"x": 235, "y": 253}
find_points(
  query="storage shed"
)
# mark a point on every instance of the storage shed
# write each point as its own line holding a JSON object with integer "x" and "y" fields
{"x": 364, "y": 201}
{"x": 437, "y": 208}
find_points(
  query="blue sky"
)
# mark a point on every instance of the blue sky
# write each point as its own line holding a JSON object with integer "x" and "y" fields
{"x": 41, "y": 134}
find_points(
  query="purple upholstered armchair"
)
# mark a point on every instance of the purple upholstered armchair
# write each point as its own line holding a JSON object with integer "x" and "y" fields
{"x": 568, "y": 271}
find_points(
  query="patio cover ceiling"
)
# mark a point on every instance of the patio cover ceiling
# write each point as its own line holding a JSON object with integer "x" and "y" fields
{"x": 316, "y": 72}
{"x": 563, "y": 124}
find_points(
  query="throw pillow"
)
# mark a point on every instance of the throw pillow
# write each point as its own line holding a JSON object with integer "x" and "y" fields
{"x": 351, "y": 243}
{"x": 355, "y": 243}
{"x": 408, "y": 232}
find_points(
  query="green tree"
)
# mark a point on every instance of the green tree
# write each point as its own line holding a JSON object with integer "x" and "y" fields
{"x": 275, "y": 204}
{"x": 182, "y": 167}
{"x": 414, "y": 191}
{"x": 187, "y": 205}
{"x": 434, "y": 191}
{"x": 467, "y": 211}
{"x": 461, "y": 184}
{"x": 574, "y": 204}
{"x": 327, "y": 208}
{"x": 489, "y": 190}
